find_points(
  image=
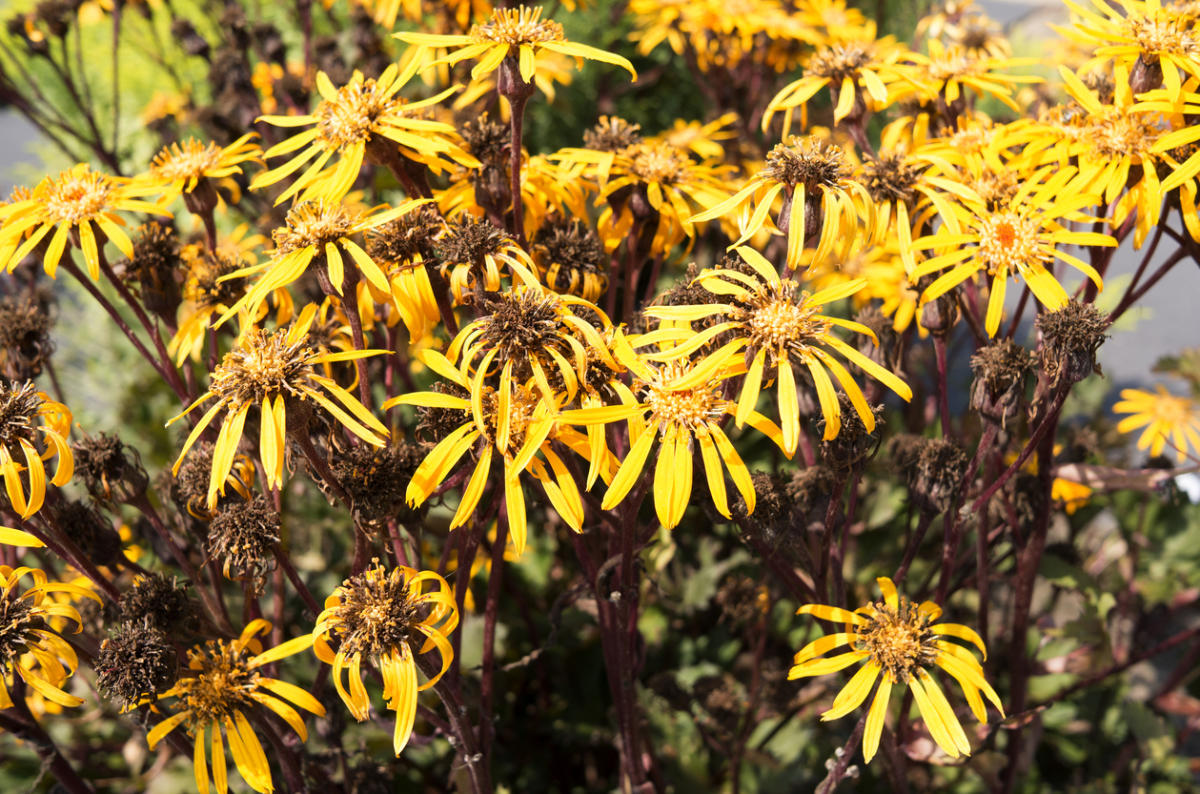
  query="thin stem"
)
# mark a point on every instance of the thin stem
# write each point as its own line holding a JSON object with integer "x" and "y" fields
{"x": 491, "y": 610}
{"x": 55, "y": 762}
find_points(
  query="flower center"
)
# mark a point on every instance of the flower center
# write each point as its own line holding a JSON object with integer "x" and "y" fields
{"x": 1010, "y": 242}
{"x": 659, "y": 162}
{"x": 840, "y": 61}
{"x": 191, "y": 159}
{"x": 517, "y": 26}
{"x": 73, "y": 196}
{"x": 377, "y": 613}
{"x": 221, "y": 683}
{"x": 351, "y": 117}
{"x": 898, "y": 640}
{"x": 18, "y": 412}
{"x": 313, "y": 223}
{"x": 689, "y": 409}
{"x": 520, "y": 414}
{"x": 262, "y": 366}
{"x": 808, "y": 162}
{"x": 17, "y": 620}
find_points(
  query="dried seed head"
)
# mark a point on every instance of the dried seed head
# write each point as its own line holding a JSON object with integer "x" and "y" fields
{"x": 892, "y": 178}
{"x": 135, "y": 663}
{"x": 999, "y": 385}
{"x": 612, "y": 134}
{"x": 376, "y": 479}
{"x": 111, "y": 471}
{"x": 933, "y": 468}
{"x": 154, "y": 268}
{"x": 570, "y": 257}
{"x": 469, "y": 240}
{"x": 242, "y": 536}
{"x": 489, "y": 141}
{"x": 91, "y": 531}
{"x": 1070, "y": 338}
{"x": 742, "y": 600}
{"x": 810, "y": 490}
{"x": 407, "y": 239}
{"x": 887, "y": 351}
{"x": 25, "y": 343}
{"x": 204, "y": 283}
{"x": 434, "y": 424}
{"x": 853, "y": 445}
{"x": 157, "y": 601}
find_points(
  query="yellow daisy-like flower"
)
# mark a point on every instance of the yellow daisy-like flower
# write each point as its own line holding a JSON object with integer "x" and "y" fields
{"x": 319, "y": 230}
{"x": 1020, "y": 238}
{"x": 275, "y": 372}
{"x": 364, "y": 119}
{"x": 776, "y": 327}
{"x": 385, "y": 619}
{"x": 945, "y": 72}
{"x": 472, "y": 253}
{"x": 857, "y": 73}
{"x": 29, "y": 420}
{"x": 818, "y": 198}
{"x": 29, "y": 646}
{"x": 665, "y": 179}
{"x": 224, "y": 683}
{"x": 207, "y": 292}
{"x": 517, "y": 32}
{"x": 518, "y": 425}
{"x": 404, "y": 249}
{"x": 1166, "y": 419}
{"x": 1151, "y": 42}
{"x": 186, "y": 168}
{"x": 721, "y": 34}
{"x": 682, "y": 407}
{"x": 1114, "y": 145}
{"x": 900, "y": 642}
{"x": 527, "y": 333}
{"x": 69, "y": 204}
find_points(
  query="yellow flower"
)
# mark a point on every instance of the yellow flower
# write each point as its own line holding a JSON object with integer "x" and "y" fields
{"x": 404, "y": 248}
{"x": 858, "y": 74}
{"x": 25, "y": 415}
{"x": 817, "y": 191}
{"x": 516, "y": 423}
{"x": 682, "y": 407}
{"x": 527, "y": 333}
{"x": 319, "y": 230}
{"x": 1167, "y": 419}
{"x": 29, "y": 646}
{"x": 69, "y": 204}
{"x": 385, "y": 619}
{"x": 1114, "y": 145}
{"x": 900, "y": 642}
{"x": 946, "y": 71}
{"x": 222, "y": 685}
{"x": 471, "y": 253}
{"x": 771, "y": 323}
{"x": 519, "y": 33}
{"x": 1140, "y": 38}
{"x": 720, "y": 33}
{"x": 1020, "y": 238}
{"x": 363, "y": 119}
{"x": 207, "y": 293}
{"x": 276, "y": 372}
{"x": 662, "y": 178}
{"x": 543, "y": 192}
{"x": 186, "y": 167}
